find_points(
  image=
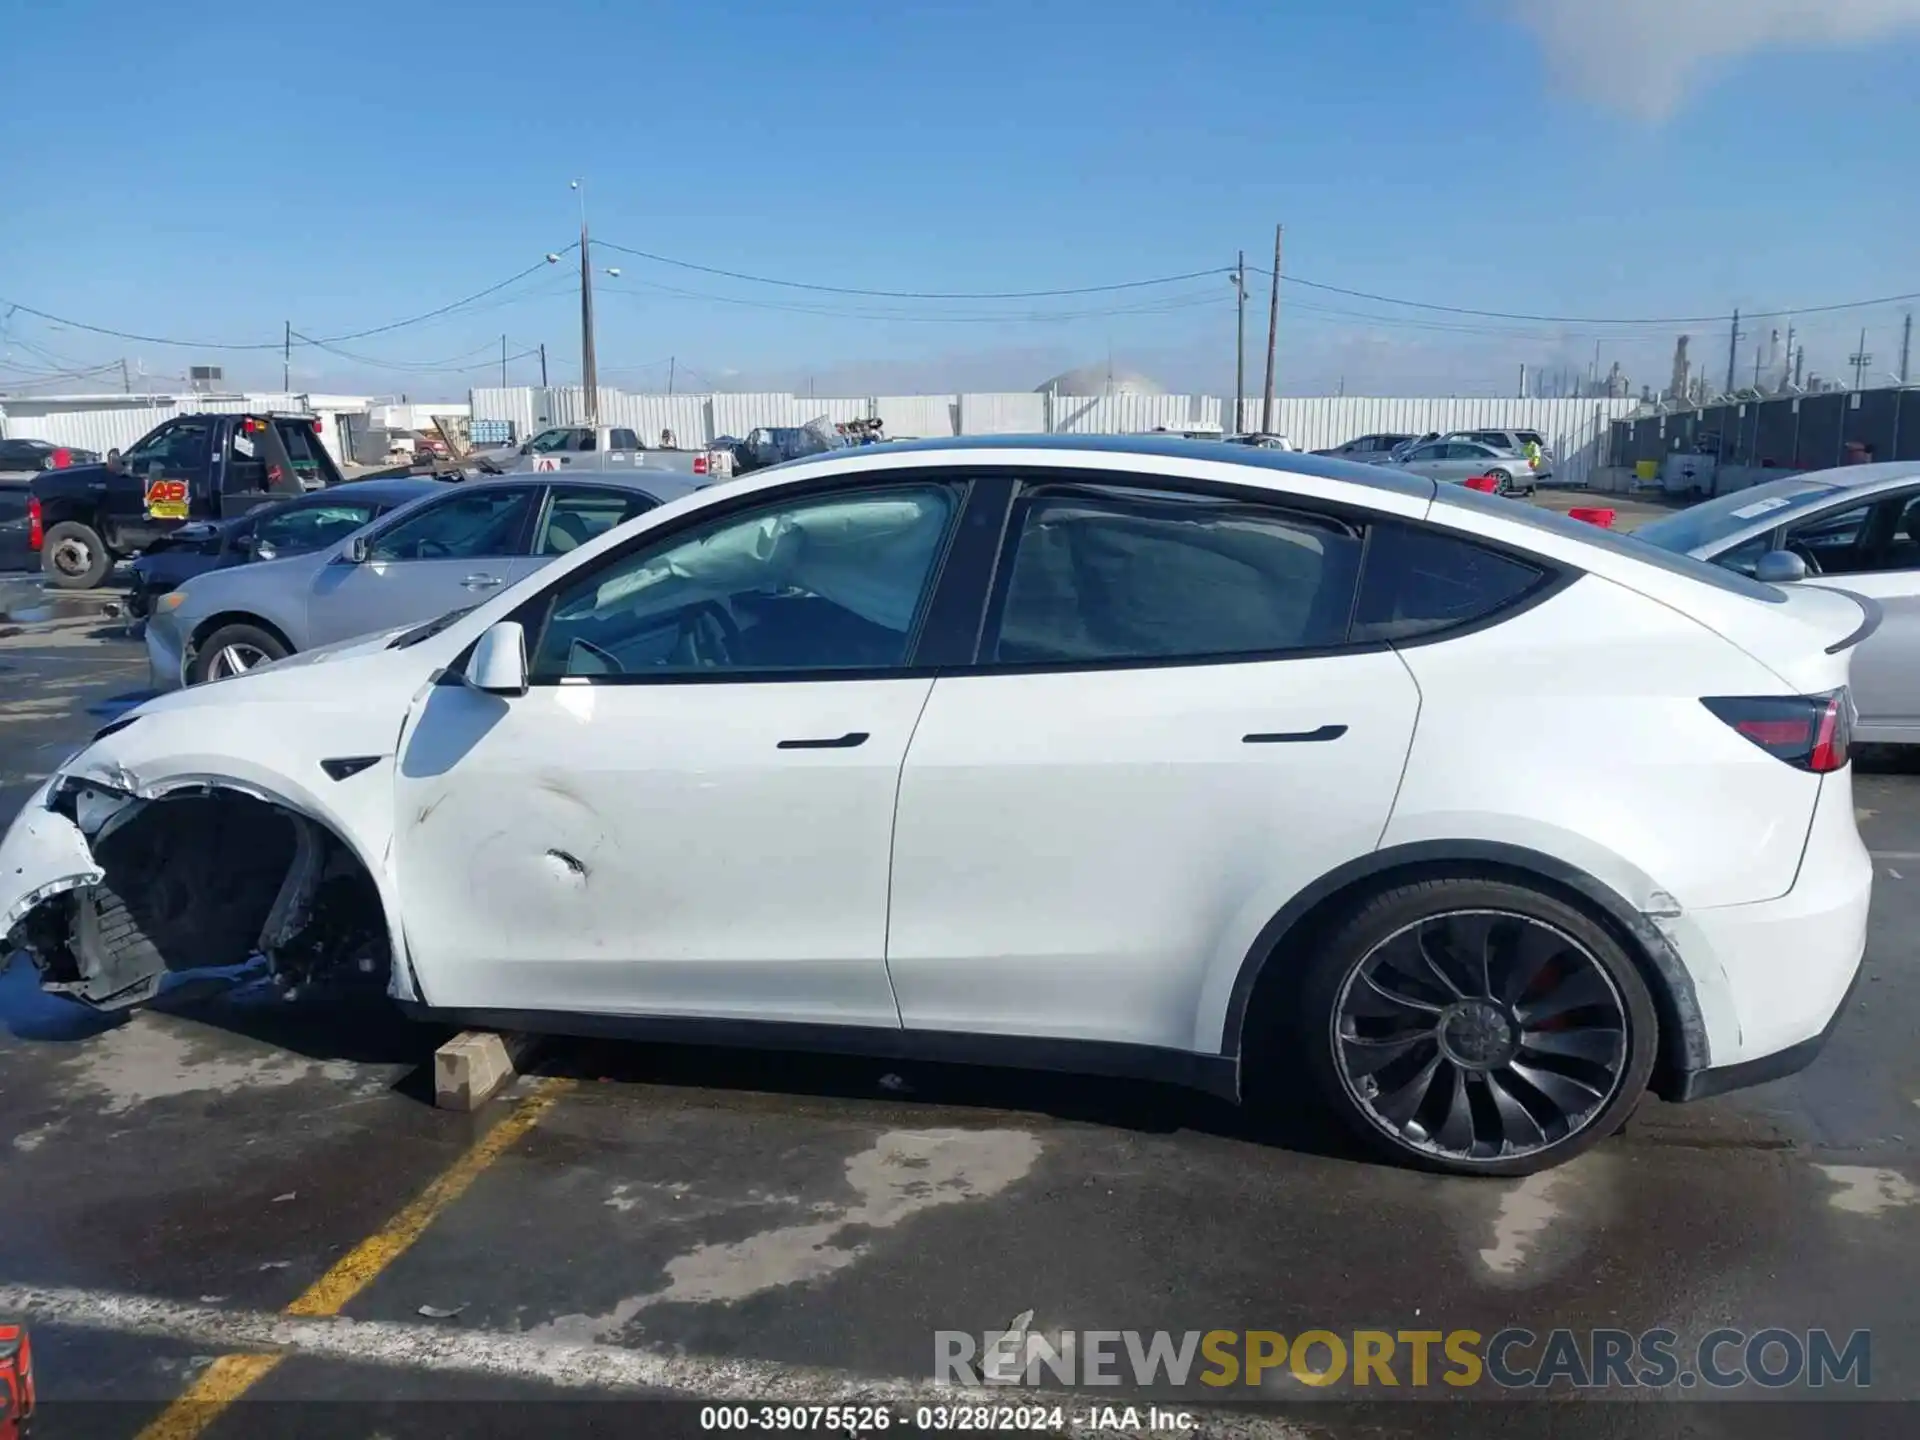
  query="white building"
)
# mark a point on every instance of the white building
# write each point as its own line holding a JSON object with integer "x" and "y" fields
{"x": 113, "y": 422}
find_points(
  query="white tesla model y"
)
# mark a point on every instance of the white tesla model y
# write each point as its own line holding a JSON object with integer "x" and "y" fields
{"x": 1159, "y": 758}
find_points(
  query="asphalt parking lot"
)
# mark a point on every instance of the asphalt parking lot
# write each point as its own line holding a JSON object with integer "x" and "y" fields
{"x": 227, "y": 1174}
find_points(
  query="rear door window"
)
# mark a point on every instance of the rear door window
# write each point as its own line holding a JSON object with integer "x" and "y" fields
{"x": 1420, "y": 581}
{"x": 1112, "y": 575}
{"x": 623, "y": 440}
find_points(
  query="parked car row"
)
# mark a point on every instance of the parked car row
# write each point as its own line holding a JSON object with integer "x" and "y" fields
{"x": 1135, "y": 756}
{"x": 1518, "y": 460}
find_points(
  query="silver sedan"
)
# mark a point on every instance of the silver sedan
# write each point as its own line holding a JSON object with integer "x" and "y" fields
{"x": 442, "y": 553}
{"x": 1855, "y": 529}
{"x": 1454, "y": 461}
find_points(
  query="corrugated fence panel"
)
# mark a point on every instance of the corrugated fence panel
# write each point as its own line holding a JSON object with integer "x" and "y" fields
{"x": 1002, "y": 414}
{"x": 1577, "y": 430}
{"x": 647, "y": 415}
{"x": 514, "y": 404}
{"x": 917, "y": 417}
{"x": 100, "y": 428}
{"x": 737, "y": 414}
{"x": 1132, "y": 414}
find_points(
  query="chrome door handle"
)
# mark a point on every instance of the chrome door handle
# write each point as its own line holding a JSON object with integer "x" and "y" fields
{"x": 482, "y": 582}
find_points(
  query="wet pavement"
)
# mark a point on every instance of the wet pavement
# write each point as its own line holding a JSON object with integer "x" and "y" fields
{"x": 680, "y": 1221}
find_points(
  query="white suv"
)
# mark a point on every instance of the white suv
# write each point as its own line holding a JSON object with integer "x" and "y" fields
{"x": 1150, "y": 757}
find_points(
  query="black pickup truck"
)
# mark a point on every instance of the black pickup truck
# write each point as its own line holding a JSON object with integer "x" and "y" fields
{"x": 84, "y": 518}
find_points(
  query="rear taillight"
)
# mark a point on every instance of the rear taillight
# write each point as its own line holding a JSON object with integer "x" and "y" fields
{"x": 699, "y": 464}
{"x": 62, "y": 459}
{"x": 36, "y": 530}
{"x": 1809, "y": 732}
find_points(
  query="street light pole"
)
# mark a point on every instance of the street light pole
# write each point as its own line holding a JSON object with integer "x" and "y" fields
{"x": 589, "y": 371}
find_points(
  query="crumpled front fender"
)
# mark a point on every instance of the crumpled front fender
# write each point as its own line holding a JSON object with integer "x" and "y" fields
{"x": 43, "y": 854}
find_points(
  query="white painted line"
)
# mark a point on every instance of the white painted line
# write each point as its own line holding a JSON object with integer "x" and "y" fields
{"x": 601, "y": 1368}
{"x": 1895, "y": 854}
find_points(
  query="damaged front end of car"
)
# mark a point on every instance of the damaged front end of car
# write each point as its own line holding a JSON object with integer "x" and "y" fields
{"x": 111, "y": 883}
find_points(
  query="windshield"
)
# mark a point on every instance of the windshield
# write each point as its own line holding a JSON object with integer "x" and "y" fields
{"x": 432, "y": 628}
{"x": 1712, "y": 521}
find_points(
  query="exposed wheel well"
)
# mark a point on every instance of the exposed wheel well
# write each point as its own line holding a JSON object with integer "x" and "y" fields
{"x": 209, "y": 877}
{"x": 1271, "y": 975}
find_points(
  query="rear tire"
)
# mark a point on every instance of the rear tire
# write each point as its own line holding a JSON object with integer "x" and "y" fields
{"x": 1476, "y": 1027}
{"x": 74, "y": 557}
{"x": 1504, "y": 480}
{"x": 233, "y": 650}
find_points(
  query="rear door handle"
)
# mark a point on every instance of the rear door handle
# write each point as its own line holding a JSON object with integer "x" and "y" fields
{"x": 1295, "y": 737}
{"x": 482, "y": 582}
{"x": 845, "y": 742}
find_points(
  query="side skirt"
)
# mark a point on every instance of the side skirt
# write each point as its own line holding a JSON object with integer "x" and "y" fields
{"x": 1214, "y": 1074}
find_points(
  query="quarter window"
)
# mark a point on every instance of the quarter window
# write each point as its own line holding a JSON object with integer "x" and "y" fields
{"x": 309, "y": 527}
{"x": 1101, "y": 576}
{"x": 577, "y": 516}
{"x": 1419, "y": 581}
{"x": 825, "y": 583}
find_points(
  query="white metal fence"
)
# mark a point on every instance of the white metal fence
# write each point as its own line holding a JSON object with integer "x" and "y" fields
{"x": 1576, "y": 430}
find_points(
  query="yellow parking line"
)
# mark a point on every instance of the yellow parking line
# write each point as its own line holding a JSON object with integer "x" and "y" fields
{"x": 231, "y": 1376}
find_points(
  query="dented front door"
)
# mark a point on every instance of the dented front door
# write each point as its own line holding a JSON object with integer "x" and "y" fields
{"x": 713, "y": 850}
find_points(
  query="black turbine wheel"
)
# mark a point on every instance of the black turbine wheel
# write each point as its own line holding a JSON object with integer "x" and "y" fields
{"x": 1480, "y": 1035}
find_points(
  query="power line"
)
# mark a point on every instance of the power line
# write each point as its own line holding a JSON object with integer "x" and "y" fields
{"x": 537, "y": 266}
{"x": 891, "y": 316}
{"x": 1595, "y": 320}
{"x": 410, "y": 320}
{"x": 914, "y": 294}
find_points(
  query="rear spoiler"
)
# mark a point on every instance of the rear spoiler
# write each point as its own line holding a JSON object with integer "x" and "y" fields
{"x": 1870, "y": 617}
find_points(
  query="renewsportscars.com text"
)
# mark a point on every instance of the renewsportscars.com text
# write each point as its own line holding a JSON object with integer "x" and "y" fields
{"x": 1512, "y": 1358}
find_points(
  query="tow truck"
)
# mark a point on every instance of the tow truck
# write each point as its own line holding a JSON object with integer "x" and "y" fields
{"x": 84, "y": 519}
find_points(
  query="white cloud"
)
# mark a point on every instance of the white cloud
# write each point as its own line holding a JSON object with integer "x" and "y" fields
{"x": 1641, "y": 55}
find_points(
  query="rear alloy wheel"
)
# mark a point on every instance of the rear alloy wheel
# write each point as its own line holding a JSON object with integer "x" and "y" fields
{"x": 234, "y": 650}
{"x": 1479, "y": 1027}
{"x": 74, "y": 557}
{"x": 1503, "y": 479}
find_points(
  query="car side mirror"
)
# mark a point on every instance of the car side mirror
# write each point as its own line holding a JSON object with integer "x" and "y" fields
{"x": 1779, "y": 567}
{"x": 498, "y": 664}
{"x": 116, "y": 465}
{"x": 358, "y": 551}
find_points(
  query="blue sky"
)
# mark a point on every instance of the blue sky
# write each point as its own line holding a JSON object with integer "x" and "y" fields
{"x": 191, "y": 177}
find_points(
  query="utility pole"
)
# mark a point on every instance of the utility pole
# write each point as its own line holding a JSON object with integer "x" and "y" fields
{"x": 286, "y": 359}
{"x": 1523, "y": 379}
{"x": 1906, "y": 345}
{"x": 1273, "y": 336}
{"x": 1239, "y": 346}
{"x": 1733, "y": 350}
{"x": 1799, "y": 365}
{"x": 503, "y": 362}
{"x": 126, "y": 385}
{"x": 1860, "y": 359}
{"x": 673, "y": 363}
{"x": 1756, "y": 367}
{"x": 543, "y": 364}
{"x": 589, "y": 371}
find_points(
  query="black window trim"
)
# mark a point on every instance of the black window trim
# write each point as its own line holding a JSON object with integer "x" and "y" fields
{"x": 534, "y": 614}
{"x": 544, "y": 510}
{"x": 1554, "y": 576}
{"x": 523, "y": 544}
{"x": 952, "y": 626}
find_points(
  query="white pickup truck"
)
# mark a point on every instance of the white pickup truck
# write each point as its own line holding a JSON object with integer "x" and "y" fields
{"x": 602, "y": 447}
